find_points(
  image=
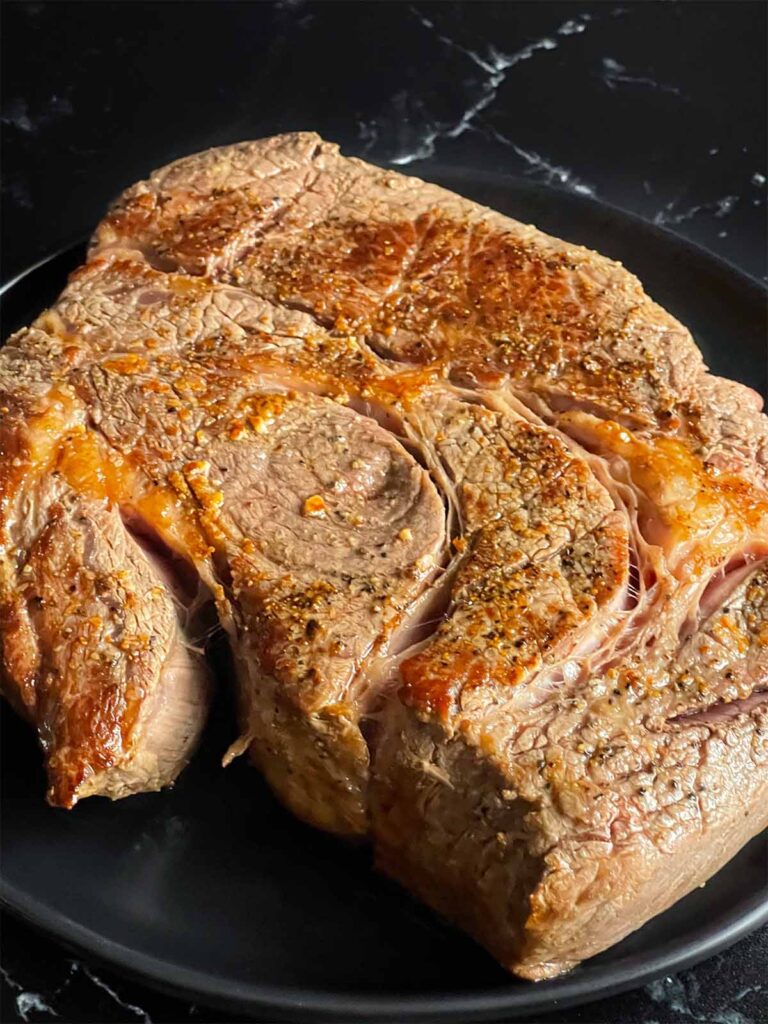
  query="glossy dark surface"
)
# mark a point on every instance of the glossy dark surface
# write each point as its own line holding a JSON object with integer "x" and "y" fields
{"x": 93, "y": 97}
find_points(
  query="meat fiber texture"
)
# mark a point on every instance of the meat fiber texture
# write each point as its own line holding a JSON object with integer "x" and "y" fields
{"x": 489, "y": 542}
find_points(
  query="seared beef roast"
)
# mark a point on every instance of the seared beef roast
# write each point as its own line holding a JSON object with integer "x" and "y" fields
{"x": 490, "y": 543}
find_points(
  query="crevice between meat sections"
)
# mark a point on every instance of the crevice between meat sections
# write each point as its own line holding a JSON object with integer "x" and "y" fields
{"x": 538, "y": 604}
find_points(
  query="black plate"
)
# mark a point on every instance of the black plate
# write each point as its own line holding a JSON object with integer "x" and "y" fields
{"x": 213, "y": 891}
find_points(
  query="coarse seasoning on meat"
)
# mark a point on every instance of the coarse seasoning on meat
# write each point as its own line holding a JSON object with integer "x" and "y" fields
{"x": 489, "y": 542}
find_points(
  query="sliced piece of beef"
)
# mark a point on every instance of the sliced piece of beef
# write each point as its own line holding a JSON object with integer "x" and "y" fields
{"x": 557, "y": 804}
{"x": 543, "y": 555}
{"x": 330, "y": 532}
{"x": 94, "y": 651}
{"x": 532, "y": 667}
{"x": 309, "y": 523}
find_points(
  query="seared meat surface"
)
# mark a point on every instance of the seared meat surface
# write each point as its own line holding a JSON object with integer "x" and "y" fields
{"x": 489, "y": 542}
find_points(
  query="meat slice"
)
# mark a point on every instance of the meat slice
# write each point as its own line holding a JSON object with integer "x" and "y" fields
{"x": 196, "y": 214}
{"x": 310, "y": 524}
{"x": 489, "y": 542}
{"x": 543, "y": 560}
{"x": 94, "y": 651}
{"x": 537, "y": 799}
{"x": 330, "y": 532}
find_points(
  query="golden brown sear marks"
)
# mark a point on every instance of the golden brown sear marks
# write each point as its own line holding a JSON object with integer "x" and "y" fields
{"x": 492, "y": 304}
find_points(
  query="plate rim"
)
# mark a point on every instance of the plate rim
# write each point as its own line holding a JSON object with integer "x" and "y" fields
{"x": 569, "y": 990}
{"x": 584, "y": 985}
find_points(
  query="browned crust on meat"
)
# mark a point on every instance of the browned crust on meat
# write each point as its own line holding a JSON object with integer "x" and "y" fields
{"x": 524, "y": 776}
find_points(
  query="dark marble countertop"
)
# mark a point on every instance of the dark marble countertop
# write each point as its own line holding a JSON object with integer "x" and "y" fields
{"x": 658, "y": 108}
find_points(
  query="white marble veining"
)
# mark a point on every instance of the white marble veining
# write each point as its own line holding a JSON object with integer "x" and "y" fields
{"x": 37, "y": 1002}
{"x": 550, "y": 172}
{"x": 26, "y": 1001}
{"x": 615, "y": 74}
{"x": 719, "y": 207}
{"x": 681, "y": 995}
{"x": 101, "y": 984}
{"x": 495, "y": 65}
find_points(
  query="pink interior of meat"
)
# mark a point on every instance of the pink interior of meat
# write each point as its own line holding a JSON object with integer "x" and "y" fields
{"x": 724, "y": 710}
{"x": 727, "y": 579}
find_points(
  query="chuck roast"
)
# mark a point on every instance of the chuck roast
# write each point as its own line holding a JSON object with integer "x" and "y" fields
{"x": 489, "y": 542}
